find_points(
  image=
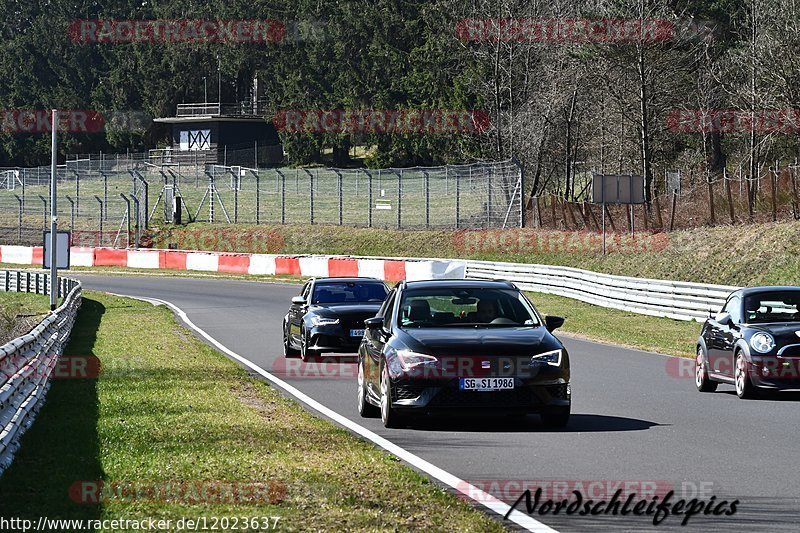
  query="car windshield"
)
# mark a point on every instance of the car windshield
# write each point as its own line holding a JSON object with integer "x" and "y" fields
{"x": 465, "y": 307}
{"x": 767, "y": 307}
{"x": 345, "y": 292}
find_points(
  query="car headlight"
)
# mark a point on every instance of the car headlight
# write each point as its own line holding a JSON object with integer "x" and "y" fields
{"x": 324, "y": 321}
{"x": 409, "y": 359}
{"x": 551, "y": 358}
{"x": 762, "y": 342}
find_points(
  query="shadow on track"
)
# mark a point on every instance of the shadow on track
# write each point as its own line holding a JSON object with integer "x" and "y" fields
{"x": 578, "y": 423}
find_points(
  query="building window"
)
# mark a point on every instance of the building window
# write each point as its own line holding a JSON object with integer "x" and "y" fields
{"x": 195, "y": 140}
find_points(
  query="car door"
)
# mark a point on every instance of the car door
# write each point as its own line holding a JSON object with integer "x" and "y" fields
{"x": 722, "y": 339}
{"x": 297, "y": 312}
{"x": 375, "y": 340}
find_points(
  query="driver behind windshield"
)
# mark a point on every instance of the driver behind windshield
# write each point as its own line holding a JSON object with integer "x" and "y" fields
{"x": 487, "y": 311}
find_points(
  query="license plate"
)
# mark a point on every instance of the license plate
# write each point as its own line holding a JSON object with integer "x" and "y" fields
{"x": 486, "y": 384}
{"x": 356, "y": 332}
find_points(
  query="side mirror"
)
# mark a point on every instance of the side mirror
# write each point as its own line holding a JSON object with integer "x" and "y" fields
{"x": 724, "y": 319}
{"x": 298, "y": 300}
{"x": 552, "y": 323}
{"x": 375, "y": 322}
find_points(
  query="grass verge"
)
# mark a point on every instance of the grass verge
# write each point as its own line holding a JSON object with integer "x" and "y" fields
{"x": 171, "y": 410}
{"x": 20, "y": 312}
{"x": 642, "y": 332}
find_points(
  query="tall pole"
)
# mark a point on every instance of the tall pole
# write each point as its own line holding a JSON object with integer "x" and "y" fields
{"x": 53, "y": 216}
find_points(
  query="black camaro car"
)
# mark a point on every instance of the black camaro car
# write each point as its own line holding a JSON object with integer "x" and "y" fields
{"x": 462, "y": 346}
{"x": 753, "y": 343}
{"x": 329, "y": 314}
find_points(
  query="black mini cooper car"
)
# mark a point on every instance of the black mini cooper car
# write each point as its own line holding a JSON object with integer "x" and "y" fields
{"x": 462, "y": 347}
{"x": 752, "y": 343}
{"x": 328, "y": 315}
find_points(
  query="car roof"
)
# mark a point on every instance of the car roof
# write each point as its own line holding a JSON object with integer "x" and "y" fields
{"x": 459, "y": 283}
{"x": 348, "y": 279}
{"x": 767, "y": 288}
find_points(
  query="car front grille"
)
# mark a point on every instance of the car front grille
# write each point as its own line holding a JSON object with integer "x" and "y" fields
{"x": 558, "y": 392}
{"x": 405, "y": 391}
{"x": 451, "y": 397}
{"x": 791, "y": 351}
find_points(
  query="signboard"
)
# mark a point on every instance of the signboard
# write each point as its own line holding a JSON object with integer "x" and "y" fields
{"x": 617, "y": 189}
{"x": 62, "y": 249}
{"x": 673, "y": 179}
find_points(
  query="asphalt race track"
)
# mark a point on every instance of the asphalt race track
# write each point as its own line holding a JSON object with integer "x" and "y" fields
{"x": 637, "y": 418}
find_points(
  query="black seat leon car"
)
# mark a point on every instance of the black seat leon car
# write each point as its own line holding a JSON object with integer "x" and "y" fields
{"x": 328, "y": 315}
{"x": 462, "y": 347}
{"x": 753, "y": 343}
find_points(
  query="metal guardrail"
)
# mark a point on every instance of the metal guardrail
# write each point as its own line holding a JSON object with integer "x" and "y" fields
{"x": 673, "y": 299}
{"x": 27, "y": 362}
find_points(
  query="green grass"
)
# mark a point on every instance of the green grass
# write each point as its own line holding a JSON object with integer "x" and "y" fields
{"x": 729, "y": 255}
{"x": 19, "y": 312}
{"x": 643, "y": 332}
{"x": 168, "y": 408}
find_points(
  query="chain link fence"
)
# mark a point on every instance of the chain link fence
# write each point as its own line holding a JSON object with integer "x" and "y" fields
{"x": 108, "y": 201}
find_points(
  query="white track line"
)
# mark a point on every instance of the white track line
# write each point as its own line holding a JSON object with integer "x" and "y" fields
{"x": 459, "y": 485}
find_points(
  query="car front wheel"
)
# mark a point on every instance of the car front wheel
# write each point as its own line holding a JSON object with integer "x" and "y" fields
{"x": 304, "y": 355}
{"x": 744, "y": 387}
{"x": 365, "y": 409}
{"x": 288, "y": 351}
{"x": 701, "y": 379}
{"x": 389, "y": 415}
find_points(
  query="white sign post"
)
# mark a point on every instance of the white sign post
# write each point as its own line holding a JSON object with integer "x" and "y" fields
{"x": 53, "y": 216}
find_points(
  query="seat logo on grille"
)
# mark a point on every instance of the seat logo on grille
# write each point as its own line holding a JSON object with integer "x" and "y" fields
{"x": 485, "y": 364}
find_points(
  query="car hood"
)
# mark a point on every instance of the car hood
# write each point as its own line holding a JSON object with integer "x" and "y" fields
{"x": 784, "y": 332}
{"x": 365, "y": 310}
{"x": 479, "y": 341}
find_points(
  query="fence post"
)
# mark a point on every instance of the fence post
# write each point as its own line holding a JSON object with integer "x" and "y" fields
{"x": 44, "y": 211}
{"x": 369, "y": 199}
{"x": 127, "y": 219}
{"x": 19, "y": 219}
{"x": 104, "y": 214}
{"x": 339, "y": 186}
{"x": 102, "y": 211}
{"x": 399, "y": 197}
{"x": 71, "y": 214}
{"x": 458, "y": 198}
{"x": 773, "y": 181}
{"x": 489, "y": 201}
{"x": 77, "y": 193}
{"x": 235, "y": 196}
{"x": 283, "y": 195}
{"x": 794, "y": 190}
{"x": 427, "y": 199}
{"x": 257, "y": 175}
{"x": 136, "y": 222}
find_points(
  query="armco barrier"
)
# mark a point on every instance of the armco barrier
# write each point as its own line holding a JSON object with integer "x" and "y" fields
{"x": 27, "y": 362}
{"x": 673, "y": 299}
